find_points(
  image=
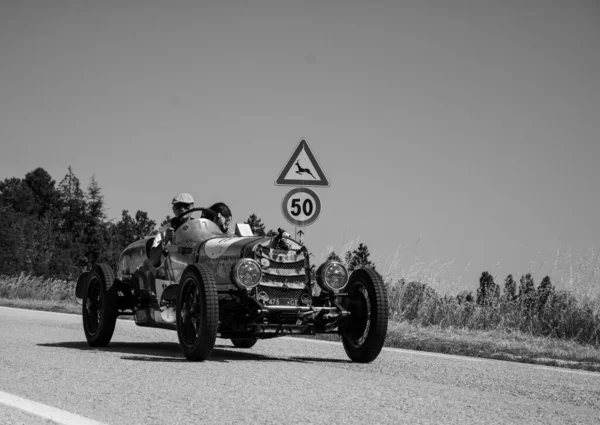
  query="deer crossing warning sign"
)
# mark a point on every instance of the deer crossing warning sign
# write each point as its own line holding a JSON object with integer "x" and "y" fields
{"x": 302, "y": 169}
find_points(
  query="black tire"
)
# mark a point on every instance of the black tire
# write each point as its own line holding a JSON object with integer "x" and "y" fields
{"x": 99, "y": 306}
{"x": 363, "y": 333}
{"x": 244, "y": 342}
{"x": 80, "y": 287}
{"x": 197, "y": 312}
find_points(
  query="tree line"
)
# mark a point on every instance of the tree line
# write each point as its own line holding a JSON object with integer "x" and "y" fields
{"x": 59, "y": 229}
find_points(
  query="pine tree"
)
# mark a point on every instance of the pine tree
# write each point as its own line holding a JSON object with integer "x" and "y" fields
{"x": 544, "y": 291}
{"x": 510, "y": 288}
{"x": 527, "y": 293}
{"x": 73, "y": 200}
{"x": 71, "y": 236}
{"x": 488, "y": 291}
{"x": 359, "y": 258}
{"x": 332, "y": 256}
{"x": 97, "y": 236}
{"x": 256, "y": 224}
{"x": 526, "y": 286}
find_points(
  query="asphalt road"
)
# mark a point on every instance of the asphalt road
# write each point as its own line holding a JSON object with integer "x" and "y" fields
{"x": 142, "y": 378}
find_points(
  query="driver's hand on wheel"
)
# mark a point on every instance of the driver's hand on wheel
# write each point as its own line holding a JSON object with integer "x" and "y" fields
{"x": 169, "y": 234}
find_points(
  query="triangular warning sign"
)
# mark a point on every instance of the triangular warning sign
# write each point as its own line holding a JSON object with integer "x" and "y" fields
{"x": 302, "y": 169}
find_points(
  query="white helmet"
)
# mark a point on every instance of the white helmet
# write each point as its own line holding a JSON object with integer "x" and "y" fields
{"x": 183, "y": 198}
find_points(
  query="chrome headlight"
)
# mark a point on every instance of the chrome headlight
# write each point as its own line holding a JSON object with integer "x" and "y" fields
{"x": 332, "y": 276}
{"x": 246, "y": 273}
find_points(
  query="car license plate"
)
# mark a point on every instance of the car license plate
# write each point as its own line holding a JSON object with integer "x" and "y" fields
{"x": 282, "y": 301}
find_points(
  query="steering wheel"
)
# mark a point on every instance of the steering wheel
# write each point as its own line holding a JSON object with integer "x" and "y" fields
{"x": 213, "y": 215}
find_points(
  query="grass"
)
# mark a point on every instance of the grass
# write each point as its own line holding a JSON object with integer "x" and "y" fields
{"x": 469, "y": 338}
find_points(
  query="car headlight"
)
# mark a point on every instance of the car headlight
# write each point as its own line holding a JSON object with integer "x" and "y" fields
{"x": 332, "y": 276}
{"x": 247, "y": 273}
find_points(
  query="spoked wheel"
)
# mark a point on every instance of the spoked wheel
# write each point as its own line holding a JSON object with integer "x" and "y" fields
{"x": 99, "y": 306}
{"x": 363, "y": 333}
{"x": 197, "y": 313}
{"x": 244, "y": 342}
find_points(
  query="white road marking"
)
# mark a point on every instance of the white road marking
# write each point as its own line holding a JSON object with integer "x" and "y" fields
{"x": 59, "y": 416}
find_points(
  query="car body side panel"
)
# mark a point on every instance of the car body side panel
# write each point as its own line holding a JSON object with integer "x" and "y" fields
{"x": 131, "y": 258}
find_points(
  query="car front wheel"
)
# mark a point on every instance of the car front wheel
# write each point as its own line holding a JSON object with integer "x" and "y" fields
{"x": 99, "y": 306}
{"x": 363, "y": 333}
{"x": 197, "y": 313}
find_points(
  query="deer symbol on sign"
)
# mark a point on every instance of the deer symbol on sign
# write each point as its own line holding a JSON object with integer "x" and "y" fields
{"x": 303, "y": 170}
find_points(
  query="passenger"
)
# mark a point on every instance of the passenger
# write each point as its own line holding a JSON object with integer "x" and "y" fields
{"x": 223, "y": 218}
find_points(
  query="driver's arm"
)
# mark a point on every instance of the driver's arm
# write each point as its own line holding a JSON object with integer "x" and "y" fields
{"x": 158, "y": 245}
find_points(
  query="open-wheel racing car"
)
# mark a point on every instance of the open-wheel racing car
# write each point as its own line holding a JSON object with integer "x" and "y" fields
{"x": 241, "y": 287}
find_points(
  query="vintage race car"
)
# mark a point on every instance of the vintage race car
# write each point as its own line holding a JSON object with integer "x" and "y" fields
{"x": 240, "y": 287}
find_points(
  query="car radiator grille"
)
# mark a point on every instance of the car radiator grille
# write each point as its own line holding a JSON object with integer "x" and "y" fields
{"x": 285, "y": 267}
{"x": 274, "y": 292}
{"x": 285, "y": 276}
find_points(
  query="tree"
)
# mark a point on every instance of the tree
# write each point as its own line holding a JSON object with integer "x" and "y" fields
{"x": 73, "y": 200}
{"x": 527, "y": 293}
{"x": 26, "y": 243}
{"x": 488, "y": 291}
{"x": 544, "y": 291}
{"x": 465, "y": 297}
{"x": 95, "y": 202}
{"x": 526, "y": 285}
{"x": 71, "y": 238}
{"x": 167, "y": 220}
{"x": 332, "y": 256}
{"x": 97, "y": 236}
{"x": 130, "y": 229}
{"x": 256, "y": 224}
{"x": 15, "y": 194}
{"x": 359, "y": 258}
{"x": 510, "y": 288}
{"x": 46, "y": 195}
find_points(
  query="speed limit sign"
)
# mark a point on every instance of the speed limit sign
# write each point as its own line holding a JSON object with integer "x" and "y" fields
{"x": 301, "y": 206}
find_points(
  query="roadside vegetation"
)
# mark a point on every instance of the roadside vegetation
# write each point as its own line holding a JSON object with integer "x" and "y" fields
{"x": 50, "y": 233}
{"x": 422, "y": 320}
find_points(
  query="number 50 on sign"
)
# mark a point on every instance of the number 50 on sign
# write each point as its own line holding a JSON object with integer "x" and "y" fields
{"x": 301, "y": 206}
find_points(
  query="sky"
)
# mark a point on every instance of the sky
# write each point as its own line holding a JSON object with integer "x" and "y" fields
{"x": 457, "y": 137}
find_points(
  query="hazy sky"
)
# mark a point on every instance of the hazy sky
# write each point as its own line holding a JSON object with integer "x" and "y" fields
{"x": 450, "y": 131}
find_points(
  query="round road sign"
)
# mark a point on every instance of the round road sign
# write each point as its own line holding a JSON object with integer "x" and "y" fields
{"x": 301, "y": 206}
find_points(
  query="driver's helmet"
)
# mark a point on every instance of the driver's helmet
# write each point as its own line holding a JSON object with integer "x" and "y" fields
{"x": 183, "y": 198}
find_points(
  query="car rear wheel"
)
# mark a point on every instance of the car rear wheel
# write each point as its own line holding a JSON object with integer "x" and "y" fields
{"x": 197, "y": 313}
{"x": 244, "y": 342}
{"x": 363, "y": 333}
{"x": 99, "y": 306}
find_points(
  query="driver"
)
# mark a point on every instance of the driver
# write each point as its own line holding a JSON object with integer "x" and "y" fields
{"x": 181, "y": 203}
